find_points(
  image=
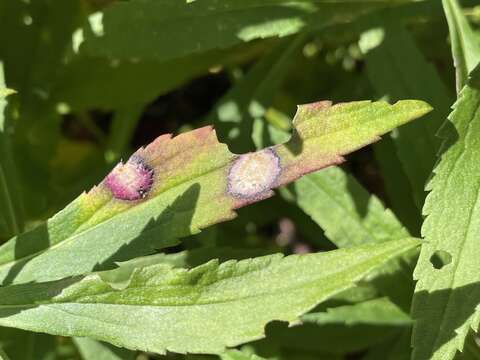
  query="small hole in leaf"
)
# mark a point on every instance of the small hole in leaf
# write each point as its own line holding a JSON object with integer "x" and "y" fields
{"x": 440, "y": 258}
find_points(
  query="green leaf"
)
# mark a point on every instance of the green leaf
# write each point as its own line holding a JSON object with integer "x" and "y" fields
{"x": 35, "y": 25}
{"x": 183, "y": 184}
{"x": 373, "y": 312}
{"x": 202, "y": 310}
{"x": 334, "y": 200}
{"x": 447, "y": 291}
{"x": 344, "y": 209}
{"x": 183, "y": 259}
{"x": 397, "y": 185}
{"x": 41, "y": 30}
{"x": 172, "y": 29}
{"x": 92, "y": 349}
{"x": 465, "y": 47}
{"x": 10, "y": 201}
{"x": 88, "y": 82}
{"x": 349, "y": 215}
{"x": 396, "y": 76}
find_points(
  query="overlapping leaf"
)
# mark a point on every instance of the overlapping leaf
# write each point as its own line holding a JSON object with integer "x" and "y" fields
{"x": 87, "y": 82}
{"x": 344, "y": 209}
{"x": 41, "y": 30}
{"x": 11, "y": 216}
{"x": 194, "y": 184}
{"x": 398, "y": 186}
{"x": 92, "y": 349}
{"x": 184, "y": 259}
{"x": 379, "y": 311}
{"x": 351, "y": 216}
{"x": 465, "y": 47}
{"x": 396, "y": 76}
{"x": 447, "y": 291}
{"x": 171, "y": 29}
{"x": 204, "y": 310}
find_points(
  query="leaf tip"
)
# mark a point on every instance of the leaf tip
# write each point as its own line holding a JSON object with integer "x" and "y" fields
{"x": 419, "y": 107}
{"x": 7, "y": 92}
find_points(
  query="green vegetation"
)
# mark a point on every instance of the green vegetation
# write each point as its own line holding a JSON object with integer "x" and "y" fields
{"x": 239, "y": 180}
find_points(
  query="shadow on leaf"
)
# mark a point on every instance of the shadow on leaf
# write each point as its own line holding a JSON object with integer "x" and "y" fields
{"x": 161, "y": 231}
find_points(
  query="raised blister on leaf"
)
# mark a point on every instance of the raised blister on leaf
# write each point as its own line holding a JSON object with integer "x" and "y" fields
{"x": 253, "y": 174}
{"x": 131, "y": 180}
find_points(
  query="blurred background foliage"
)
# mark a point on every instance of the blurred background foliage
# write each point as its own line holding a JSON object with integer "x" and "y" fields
{"x": 96, "y": 79}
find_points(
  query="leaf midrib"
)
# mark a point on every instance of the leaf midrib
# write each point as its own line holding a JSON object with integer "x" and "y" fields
{"x": 273, "y": 292}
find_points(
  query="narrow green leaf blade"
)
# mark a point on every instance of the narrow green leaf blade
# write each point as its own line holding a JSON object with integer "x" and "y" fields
{"x": 203, "y": 310}
{"x": 11, "y": 214}
{"x": 351, "y": 216}
{"x": 93, "y": 349}
{"x": 397, "y": 185}
{"x": 465, "y": 46}
{"x": 395, "y": 76}
{"x": 87, "y": 82}
{"x": 447, "y": 291}
{"x": 183, "y": 259}
{"x": 123, "y": 126}
{"x": 41, "y": 29}
{"x": 374, "y": 312}
{"x": 344, "y": 209}
{"x": 165, "y": 30}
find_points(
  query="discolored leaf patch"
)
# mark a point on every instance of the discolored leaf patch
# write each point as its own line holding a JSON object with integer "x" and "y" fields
{"x": 176, "y": 186}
